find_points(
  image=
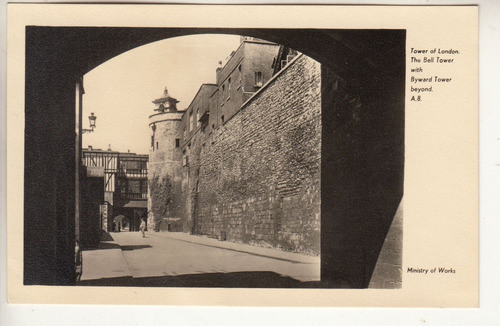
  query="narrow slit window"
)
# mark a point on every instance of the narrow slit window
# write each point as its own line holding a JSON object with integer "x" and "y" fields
{"x": 258, "y": 78}
{"x": 192, "y": 123}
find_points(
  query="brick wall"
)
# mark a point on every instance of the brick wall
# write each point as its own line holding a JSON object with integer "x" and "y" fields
{"x": 256, "y": 179}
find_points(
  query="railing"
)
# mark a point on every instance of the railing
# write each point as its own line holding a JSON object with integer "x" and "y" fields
{"x": 133, "y": 173}
{"x": 129, "y": 195}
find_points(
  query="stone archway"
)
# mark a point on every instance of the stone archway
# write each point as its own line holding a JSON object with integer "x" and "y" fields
{"x": 362, "y": 173}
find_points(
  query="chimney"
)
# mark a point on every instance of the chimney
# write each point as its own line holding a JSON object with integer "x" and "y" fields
{"x": 217, "y": 71}
{"x": 109, "y": 147}
{"x": 90, "y": 147}
{"x": 219, "y": 67}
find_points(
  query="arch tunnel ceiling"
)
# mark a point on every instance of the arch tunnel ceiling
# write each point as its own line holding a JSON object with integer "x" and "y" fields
{"x": 57, "y": 57}
{"x": 77, "y": 50}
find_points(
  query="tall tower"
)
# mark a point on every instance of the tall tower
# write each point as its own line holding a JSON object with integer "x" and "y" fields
{"x": 165, "y": 164}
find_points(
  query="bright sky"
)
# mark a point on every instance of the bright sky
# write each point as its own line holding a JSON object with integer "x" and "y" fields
{"x": 120, "y": 91}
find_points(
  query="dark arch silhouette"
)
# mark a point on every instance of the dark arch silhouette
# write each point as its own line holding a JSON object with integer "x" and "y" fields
{"x": 362, "y": 145}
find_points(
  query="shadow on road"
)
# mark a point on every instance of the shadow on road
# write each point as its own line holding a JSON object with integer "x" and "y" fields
{"x": 105, "y": 236}
{"x": 134, "y": 247}
{"x": 104, "y": 245}
{"x": 107, "y": 242}
{"x": 223, "y": 280}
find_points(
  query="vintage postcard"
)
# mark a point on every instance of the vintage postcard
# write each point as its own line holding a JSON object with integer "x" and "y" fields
{"x": 243, "y": 155}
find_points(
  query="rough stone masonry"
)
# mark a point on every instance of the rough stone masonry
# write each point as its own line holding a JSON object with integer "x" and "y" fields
{"x": 256, "y": 178}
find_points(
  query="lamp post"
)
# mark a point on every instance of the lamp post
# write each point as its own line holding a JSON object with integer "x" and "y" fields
{"x": 92, "y": 119}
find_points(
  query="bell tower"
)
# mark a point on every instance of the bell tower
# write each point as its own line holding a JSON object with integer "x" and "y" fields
{"x": 165, "y": 163}
{"x": 166, "y": 103}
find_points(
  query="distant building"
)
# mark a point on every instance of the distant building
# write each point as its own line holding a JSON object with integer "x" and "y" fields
{"x": 245, "y": 72}
{"x": 242, "y": 162}
{"x": 123, "y": 178}
{"x": 198, "y": 113}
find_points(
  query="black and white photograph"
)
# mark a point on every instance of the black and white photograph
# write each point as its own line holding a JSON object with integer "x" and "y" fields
{"x": 214, "y": 157}
{"x": 168, "y": 152}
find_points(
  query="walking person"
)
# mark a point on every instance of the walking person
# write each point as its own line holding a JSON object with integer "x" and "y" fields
{"x": 142, "y": 227}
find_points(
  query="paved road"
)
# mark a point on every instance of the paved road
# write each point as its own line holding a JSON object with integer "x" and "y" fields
{"x": 159, "y": 260}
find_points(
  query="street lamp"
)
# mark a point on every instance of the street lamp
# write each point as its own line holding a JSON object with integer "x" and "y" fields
{"x": 92, "y": 119}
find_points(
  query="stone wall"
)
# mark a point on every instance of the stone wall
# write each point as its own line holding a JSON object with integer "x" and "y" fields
{"x": 164, "y": 170}
{"x": 256, "y": 179}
